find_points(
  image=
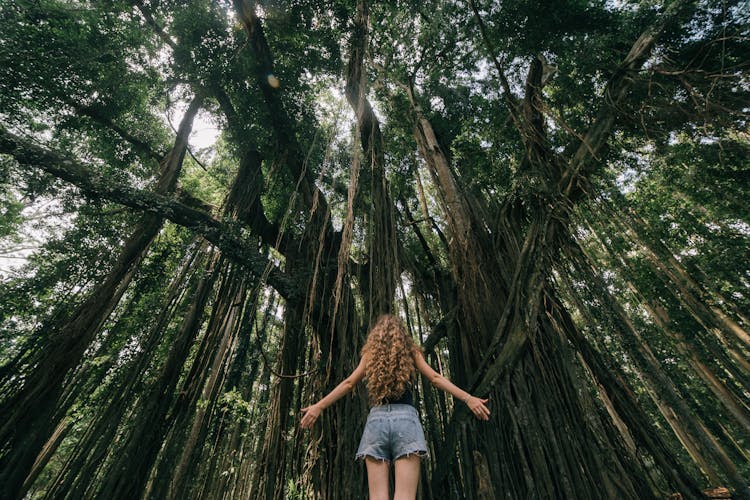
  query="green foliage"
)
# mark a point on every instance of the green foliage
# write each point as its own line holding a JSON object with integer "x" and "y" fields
{"x": 232, "y": 402}
{"x": 61, "y": 57}
{"x": 97, "y": 80}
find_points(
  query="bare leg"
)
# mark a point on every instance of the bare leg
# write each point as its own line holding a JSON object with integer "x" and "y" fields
{"x": 407, "y": 477}
{"x": 377, "y": 478}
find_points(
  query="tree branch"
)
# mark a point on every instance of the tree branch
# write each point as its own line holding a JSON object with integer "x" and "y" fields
{"x": 615, "y": 92}
{"x": 509, "y": 98}
{"x": 279, "y": 118}
{"x": 100, "y": 118}
{"x": 230, "y": 237}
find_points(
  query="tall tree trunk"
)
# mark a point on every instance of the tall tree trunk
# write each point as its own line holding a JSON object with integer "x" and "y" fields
{"x": 382, "y": 247}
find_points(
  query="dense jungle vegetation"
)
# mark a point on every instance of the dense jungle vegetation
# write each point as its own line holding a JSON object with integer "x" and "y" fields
{"x": 553, "y": 195}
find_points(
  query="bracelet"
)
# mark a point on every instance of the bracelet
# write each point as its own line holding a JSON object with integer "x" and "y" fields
{"x": 467, "y": 399}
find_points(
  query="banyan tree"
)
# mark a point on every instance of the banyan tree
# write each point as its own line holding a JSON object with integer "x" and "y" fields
{"x": 551, "y": 194}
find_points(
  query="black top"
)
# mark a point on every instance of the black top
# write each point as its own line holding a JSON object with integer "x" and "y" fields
{"x": 405, "y": 398}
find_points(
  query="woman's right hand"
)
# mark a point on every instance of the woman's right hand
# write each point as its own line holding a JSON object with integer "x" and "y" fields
{"x": 311, "y": 414}
{"x": 478, "y": 407}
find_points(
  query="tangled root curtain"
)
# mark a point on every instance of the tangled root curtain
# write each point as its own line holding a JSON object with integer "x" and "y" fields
{"x": 204, "y": 205}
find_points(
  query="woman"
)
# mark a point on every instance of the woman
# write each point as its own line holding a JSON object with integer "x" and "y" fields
{"x": 393, "y": 433}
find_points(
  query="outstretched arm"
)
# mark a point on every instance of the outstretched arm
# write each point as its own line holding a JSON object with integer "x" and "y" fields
{"x": 312, "y": 412}
{"x": 477, "y": 406}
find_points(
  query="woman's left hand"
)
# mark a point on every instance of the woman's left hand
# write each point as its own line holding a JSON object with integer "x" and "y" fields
{"x": 311, "y": 414}
{"x": 478, "y": 407}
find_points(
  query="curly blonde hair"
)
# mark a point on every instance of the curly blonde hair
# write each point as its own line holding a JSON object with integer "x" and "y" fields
{"x": 389, "y": 366}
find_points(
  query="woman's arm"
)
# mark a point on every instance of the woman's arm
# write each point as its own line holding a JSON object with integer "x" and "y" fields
{"x": 476, "y": 405}
{"x": 312, "y": 412}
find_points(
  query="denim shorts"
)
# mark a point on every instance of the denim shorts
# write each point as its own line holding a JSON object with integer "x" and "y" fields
{"x": 392, "y": 432}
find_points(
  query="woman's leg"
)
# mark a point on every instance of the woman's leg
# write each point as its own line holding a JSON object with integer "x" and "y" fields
{"x": 377, "y": 478}
{"x": 407, "y": 477}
